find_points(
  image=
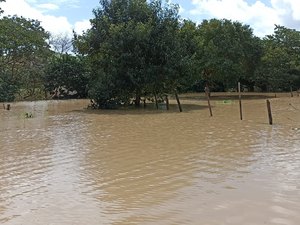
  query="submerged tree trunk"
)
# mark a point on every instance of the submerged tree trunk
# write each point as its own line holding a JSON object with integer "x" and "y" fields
{"x": 167, "y": 103}
{"x": 137, "y": 101}
{"x": 178, "y": 101}
{"x": 156, "y": 102}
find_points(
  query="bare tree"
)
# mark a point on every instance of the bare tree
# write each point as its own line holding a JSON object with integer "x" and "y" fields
{"x": 61, "y": 43}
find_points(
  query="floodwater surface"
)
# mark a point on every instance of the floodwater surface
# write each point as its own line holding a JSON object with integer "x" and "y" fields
{"x": 71, "y": 166}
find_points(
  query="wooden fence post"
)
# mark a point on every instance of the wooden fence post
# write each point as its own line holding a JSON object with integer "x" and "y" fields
{"x": 207, "y": 93}
{"x": 240, "y": 100}
{"x": 269, "y": 112}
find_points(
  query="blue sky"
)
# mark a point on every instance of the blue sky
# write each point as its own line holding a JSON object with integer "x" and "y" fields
{"x": 62, "y": 16}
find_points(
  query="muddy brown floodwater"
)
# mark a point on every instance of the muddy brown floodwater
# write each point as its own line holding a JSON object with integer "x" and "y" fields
{"x": 70, "y": 166}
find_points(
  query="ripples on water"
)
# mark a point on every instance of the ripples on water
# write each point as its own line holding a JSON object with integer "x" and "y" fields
{"x": 67, "y": 165}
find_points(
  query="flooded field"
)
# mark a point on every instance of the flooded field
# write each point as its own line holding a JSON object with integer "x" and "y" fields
{"x": 71, "y": 166}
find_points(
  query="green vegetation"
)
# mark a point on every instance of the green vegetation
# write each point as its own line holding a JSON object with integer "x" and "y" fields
{"x": 229, "y": 53}
{"x": 66, "y": 73}
{"x": 23, "y": 55}
{"x": 138, "y": 49}
{"x": 134, "y": 51}
{"x": 280, "y": 66}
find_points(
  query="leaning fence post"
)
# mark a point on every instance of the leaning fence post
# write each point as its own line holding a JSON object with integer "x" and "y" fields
{"x": 240, "y": 100}
{"x": 178, "y": 101}
{"x": 269, "y": 112}
{"x": 207, "y": 93}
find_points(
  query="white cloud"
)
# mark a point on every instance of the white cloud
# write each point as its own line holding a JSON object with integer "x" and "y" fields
{"x": 68, "y": 3}
{"x": 288, "y": 9}
{"x": 53, "y": 24}
{"x": 57, "y": 25}
{"x": 48, "y": 6}
{"x": 82, "y": 26}
{"x": 259, "y": 15}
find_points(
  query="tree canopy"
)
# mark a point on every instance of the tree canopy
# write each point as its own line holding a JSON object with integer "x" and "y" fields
{"x": 280, "y": 65}
{"x": 229, "y": 52}
{"x": 133, "y": 50}
{"x": 23, "y": 54}
{"x": 66, "y": 75}
{"x": 139, "y": 49}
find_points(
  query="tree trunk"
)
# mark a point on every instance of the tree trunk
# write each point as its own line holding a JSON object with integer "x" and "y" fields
{"x": 156, "y": 102}
{"x": 137, "y": 101}
{"x": 167, "y": 103}
{"x": 178, "y": 101}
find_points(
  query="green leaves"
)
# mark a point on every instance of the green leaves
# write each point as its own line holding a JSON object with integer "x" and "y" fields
{"x": 280, "y": 65}
{"x": 228, "y": 51}
{"x": 8, "y": 88}
{"x": 23, "y": 52}
{"x": 133, "y": 50}
{"x": 140, "y": 47}
{"x": 67, "y": 72}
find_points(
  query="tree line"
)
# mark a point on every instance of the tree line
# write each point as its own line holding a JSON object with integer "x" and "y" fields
{"x": 137, "y": 50}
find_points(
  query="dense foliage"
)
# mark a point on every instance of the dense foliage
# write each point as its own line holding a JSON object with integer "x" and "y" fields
{"x": 133, "y": 50}
{"x": 139, "y": 49}
{"x": 23, "y": 54}
{"x": 66, "y": 76}
{"x": 280, "y": 65}
{"x": 229, "y": 53}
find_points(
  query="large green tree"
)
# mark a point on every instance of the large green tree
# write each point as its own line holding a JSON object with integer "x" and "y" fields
{"x": 66, "y": 74}
{"x": 229, "y": 52}
{"x": 23, "y": 54}
{"x": 280, "y": 63}
{"x": 190, "y": 55}
{"x": 133, "y": 50}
